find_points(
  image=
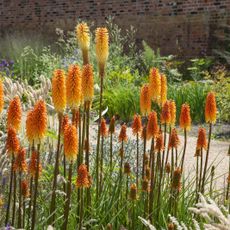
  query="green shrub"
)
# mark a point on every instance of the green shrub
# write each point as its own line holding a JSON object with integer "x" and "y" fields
{"x": 193, "y": 93}
{"x": 122, "y": 101}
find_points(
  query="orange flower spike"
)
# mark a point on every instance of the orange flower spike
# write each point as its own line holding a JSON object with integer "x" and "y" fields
{"x": 82, "y": 177}
{"x": 185, "y": 118}
{"x": 33, "y": 165}
{"x": 172, "y": 109}
{"x": 210, "y": 108}
{"x": 173, "y": 139}
{"x": 14, "y": 114}
{"x": 152, "y": 126}
{"x": 82, "y": 34}
{"x": 112, "y": 125}
{"x": 165, "y": 113}
{"x": 201, "y": 140}
{"x": 29, "y": 126}
{"x": 39, "y": 120}
{"x": 163, "y": 89}
{"x": 59, "y": 90}
{"x": 103, "y": 130}
{"x": 25, "y": 189}
{"x": 1, "y": 96}
{"x": 70, "y": 142}
{"x": 144, "y": 132}
{"x": 65, "y": 122}
{"x": 87, "y": 83}
{"x": 159, "y": 142}
{"x": 102, "y": 45}
{"x": 155, "y": 84}
{"x": 12, "y": 142}
{"x": 20, "y": 164}
{"x": 136, "y": 126}
{"x": 145, "y": 100}
{"x": 74, "y": 87}
{"x": 123, "y": 136}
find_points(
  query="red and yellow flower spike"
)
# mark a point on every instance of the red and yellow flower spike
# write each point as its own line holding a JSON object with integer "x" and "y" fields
{"x": 201, "y": 140}
{"x": 152, "y": 126}
{"x": 20, "y": 164}
{"x": 87, "y": 83}
{"x": 12, "y": 142}
{"x": 14, "y": 114}
{"x": 155, "y": 84}
{"x": 82, "y": 177}
{"x": 123, "y": 135}
{"x": 145, "y": 100}
{"x": 173, "y": 139}
{"x": 70, "y": 142}
{"x": 210, "y": 108}
{"x": 163, "y": 89}
{"x": 136, "y": 126}
{"x": 172, "y": 109}
{"x": 73, "y": 87}
{"x": 102, "y": 45}
{"x": 103, "y": 130}
{"x": 33, "y": 165}
{"x": 185, "y": 118}
{"x": 59, "y": 90}
{"x": 1, "y": 95}
{"x": 165, "y": 113}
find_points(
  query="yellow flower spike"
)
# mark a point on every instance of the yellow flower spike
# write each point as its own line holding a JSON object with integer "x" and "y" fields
{"x": 73, "y": 87}
{"x": 87, "y": 83}
{"x": 102, "y": 45}
{"x": 59, "y": 90}
{"x": 82, "y": 34}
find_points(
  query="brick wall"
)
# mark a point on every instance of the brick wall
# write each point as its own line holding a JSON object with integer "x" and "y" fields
{"x": 181, "y": 27}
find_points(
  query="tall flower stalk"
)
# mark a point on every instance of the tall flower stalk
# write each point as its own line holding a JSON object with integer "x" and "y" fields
{"x": 185, "y": 124}
{"x": 81, "y": 183}
{"x": 111, "y": 132}
{"x": 102, "y": 53}
{"x": 59, "y": 100}
{"x": 137, "y": 128}
{"x": 210, "y": 117}
{"x": 70, "y": 151}
{"x": 36, "y": 132}
{"x": 104, "y": 134}
{"x": 12, "y": 147}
